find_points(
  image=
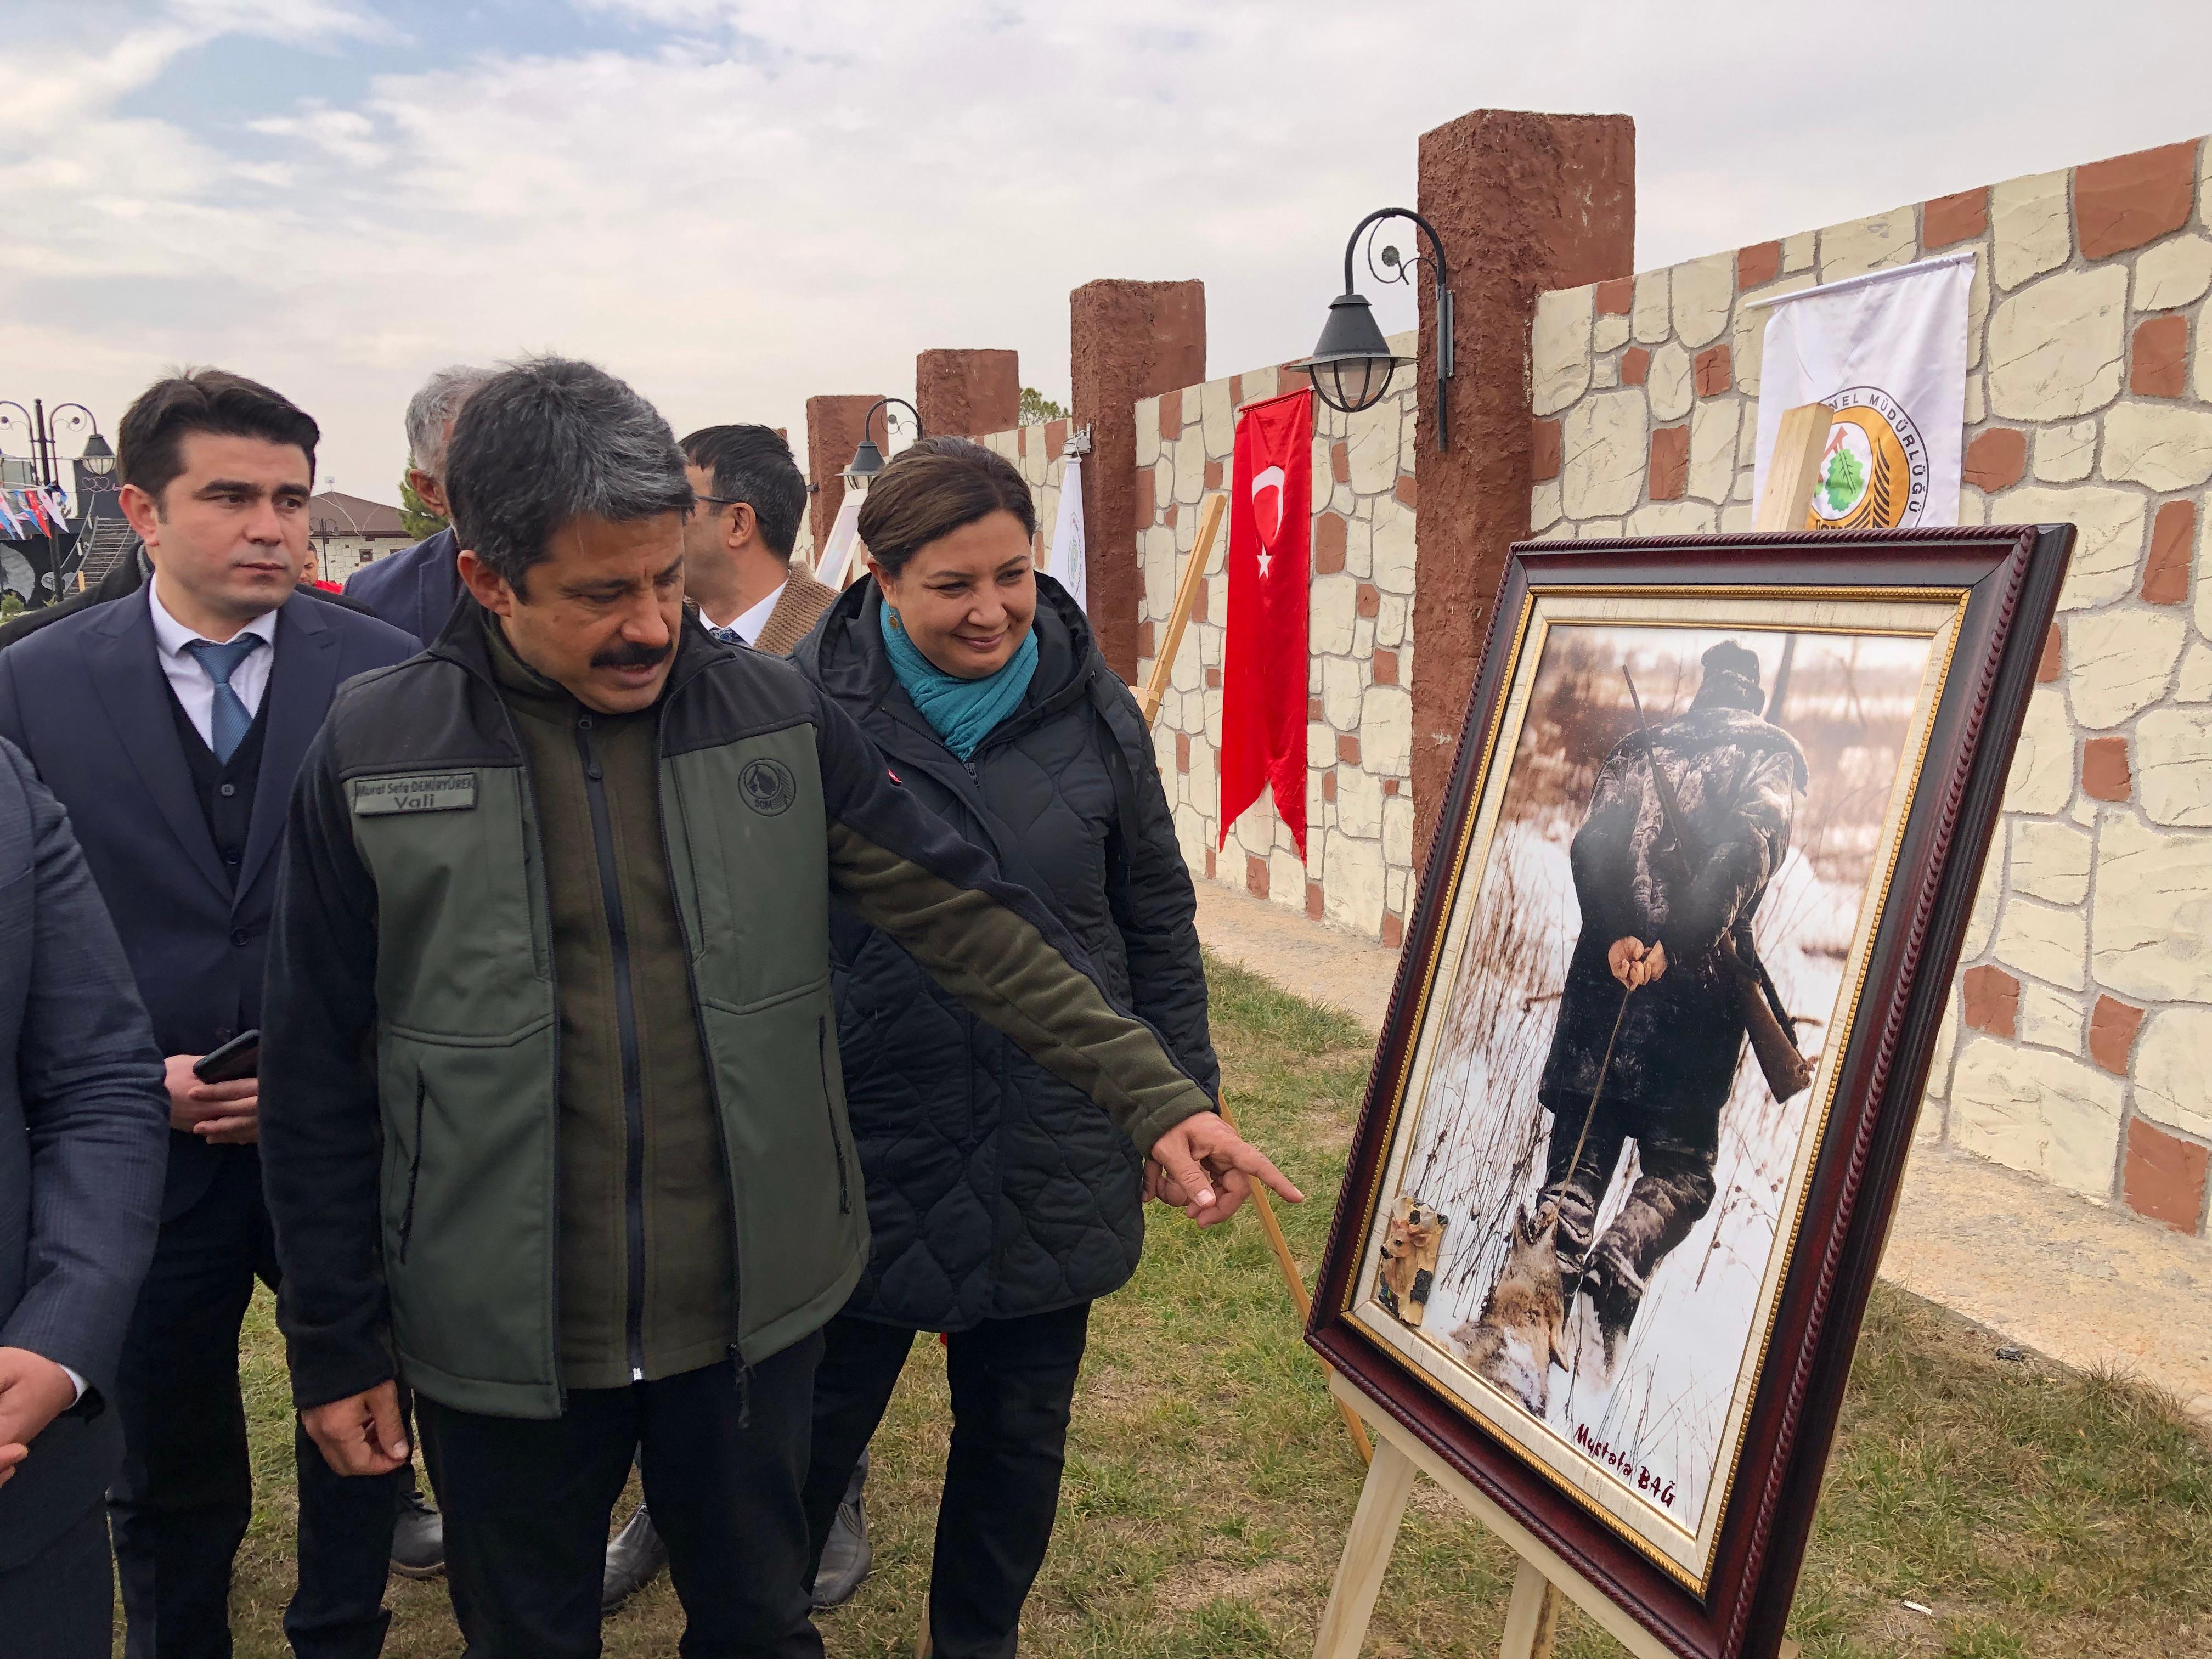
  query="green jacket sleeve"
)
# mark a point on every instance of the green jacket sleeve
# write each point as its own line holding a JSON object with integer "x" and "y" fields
{"x": 989, "y": 943}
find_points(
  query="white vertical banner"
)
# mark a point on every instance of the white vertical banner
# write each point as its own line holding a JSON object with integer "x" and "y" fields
{"x": 1888, "y": 352}
{"x": 831, "y": 568}
{"x": 1064, "y": 560}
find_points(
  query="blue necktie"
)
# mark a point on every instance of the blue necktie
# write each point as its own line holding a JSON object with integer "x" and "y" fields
{"x": 727, "y": 636}
{"x": 228, "y": 720}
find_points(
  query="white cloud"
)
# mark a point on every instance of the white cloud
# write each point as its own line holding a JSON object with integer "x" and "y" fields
{"x": 751, "y": 203}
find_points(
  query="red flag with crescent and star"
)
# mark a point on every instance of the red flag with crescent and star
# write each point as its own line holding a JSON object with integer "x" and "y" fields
{"x": 1263, "y": 657}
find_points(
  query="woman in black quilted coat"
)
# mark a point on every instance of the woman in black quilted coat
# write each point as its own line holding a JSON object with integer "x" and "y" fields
{"x": 1002, "y": 1202}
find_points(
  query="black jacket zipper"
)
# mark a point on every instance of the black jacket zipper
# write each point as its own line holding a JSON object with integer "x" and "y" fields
{"x": 633, "y": 1087}
{"x": 836, "y": 1145}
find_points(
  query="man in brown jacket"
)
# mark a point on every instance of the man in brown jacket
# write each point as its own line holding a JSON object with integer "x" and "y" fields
{"x": 737, "y": 546}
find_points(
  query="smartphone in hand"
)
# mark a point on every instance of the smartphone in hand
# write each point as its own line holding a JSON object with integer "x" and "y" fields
{"x": 239, "y": 1058}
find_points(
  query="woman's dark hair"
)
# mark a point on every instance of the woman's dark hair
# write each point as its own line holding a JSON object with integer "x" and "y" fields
{"x": 933, "y": 487}
{"x": 149, "y": 443}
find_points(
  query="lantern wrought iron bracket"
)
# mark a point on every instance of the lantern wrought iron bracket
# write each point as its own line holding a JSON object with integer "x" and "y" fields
{"x": 1352, "y": 365}
{"x": 868, "y": 458}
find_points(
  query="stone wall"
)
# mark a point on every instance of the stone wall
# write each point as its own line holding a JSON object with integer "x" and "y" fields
{"x": 1036, "y": 450}
{"x": 2079, "y": 1045}
{"x": 1359, "y": 805}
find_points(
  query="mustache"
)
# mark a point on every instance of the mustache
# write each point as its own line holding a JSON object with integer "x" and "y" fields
{"x": 631, "y": 654}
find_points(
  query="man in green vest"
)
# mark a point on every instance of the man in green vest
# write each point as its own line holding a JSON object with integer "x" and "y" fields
{"x": 555, "y": 1134}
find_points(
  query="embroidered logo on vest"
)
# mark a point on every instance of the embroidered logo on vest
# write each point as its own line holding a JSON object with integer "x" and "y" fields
{"x": 435, "y": 792}
{"x": 768, "y": 786}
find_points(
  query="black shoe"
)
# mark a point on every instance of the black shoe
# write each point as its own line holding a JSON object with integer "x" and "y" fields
{"x": 847, "y": 1556}
{"x": 418, "y": 1538}
{"x": 635, "y": 1556}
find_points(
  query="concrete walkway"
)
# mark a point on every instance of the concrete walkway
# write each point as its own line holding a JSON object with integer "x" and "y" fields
{"x": 2086, "y": 1284}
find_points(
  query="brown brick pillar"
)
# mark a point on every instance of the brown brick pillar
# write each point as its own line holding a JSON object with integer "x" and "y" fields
{"x": 1524, "y": 203}
{"x": 833, "y": 432}
{"x": 968, "y": 393}
{"x": 1126, "y": 341}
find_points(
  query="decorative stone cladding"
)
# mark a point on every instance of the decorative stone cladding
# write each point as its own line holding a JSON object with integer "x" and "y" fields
{"x": 1359, "y": 802}
{"x": 2078, "y": 1046}
{"x": 1036, "y": 450}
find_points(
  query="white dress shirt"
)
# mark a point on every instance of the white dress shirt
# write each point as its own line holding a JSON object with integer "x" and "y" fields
{"x": 193, "y": 684}
{"x": 749, "y": 623}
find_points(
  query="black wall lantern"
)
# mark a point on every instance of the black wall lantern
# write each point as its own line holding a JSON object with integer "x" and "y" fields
{"x": 1352, "y": 365}
{"x": 867, "y": 460}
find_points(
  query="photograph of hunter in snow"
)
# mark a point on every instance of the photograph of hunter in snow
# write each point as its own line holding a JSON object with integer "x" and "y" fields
{"x": 1618, "y": 1091}
{"x": 1686, "y": 826}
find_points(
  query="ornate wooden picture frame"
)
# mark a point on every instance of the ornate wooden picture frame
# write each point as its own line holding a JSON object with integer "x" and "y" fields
{"x": 1661, "y": 1025}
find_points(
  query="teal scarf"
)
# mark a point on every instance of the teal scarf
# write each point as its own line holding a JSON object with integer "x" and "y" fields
{"x": 961, "y": 712}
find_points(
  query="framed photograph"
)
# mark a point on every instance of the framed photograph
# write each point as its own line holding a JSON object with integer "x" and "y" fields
{"x": 1660, "y": 1029}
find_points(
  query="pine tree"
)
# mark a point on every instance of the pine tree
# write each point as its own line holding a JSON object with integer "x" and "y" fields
{"x": 1037, "y": 409}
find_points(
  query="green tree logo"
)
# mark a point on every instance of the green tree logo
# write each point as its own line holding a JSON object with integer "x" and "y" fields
{"x": 1843, "y": 478}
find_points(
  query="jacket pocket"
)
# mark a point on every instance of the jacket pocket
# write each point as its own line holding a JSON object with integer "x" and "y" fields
{"x": 414, "y": 1167}
{"x": 468, "y": 1230}
{"x": 799, "y": 1200}
{"x": 830, "y": 1112}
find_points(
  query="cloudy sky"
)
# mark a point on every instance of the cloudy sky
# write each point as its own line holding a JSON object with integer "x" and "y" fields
{"x": 736, "y": 204}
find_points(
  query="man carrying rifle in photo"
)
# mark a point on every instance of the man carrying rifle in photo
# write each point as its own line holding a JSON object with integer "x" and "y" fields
{"x": 1686, "y": 825}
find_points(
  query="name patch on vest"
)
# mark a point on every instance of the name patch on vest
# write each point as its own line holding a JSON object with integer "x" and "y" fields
{"x": 434, "y": 792}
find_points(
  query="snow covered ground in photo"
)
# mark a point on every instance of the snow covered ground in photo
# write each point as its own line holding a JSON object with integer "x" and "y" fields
{"x": 1481, "y": 1141}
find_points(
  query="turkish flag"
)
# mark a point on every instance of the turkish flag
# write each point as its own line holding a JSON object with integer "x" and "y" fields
{"x": 1263, "y": 667}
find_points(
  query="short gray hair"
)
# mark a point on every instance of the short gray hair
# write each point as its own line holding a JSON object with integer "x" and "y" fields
{"x": 431, "y": 413}
{"x": 549, "y": 440}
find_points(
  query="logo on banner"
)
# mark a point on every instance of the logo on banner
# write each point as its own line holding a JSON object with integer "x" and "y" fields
{"x": 1875, "y": 474}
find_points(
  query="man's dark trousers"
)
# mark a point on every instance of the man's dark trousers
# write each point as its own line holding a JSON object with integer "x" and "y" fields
{"x": 526, "y": 1503}
{"x": 1675, "y": 1145}
{"x": 60, "y": 1603}
{"x": 185, "y": 1495}
{"x": 1013, "y": 1384}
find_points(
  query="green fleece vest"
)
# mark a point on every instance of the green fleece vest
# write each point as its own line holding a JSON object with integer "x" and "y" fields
{"x": 469, "y": 1060}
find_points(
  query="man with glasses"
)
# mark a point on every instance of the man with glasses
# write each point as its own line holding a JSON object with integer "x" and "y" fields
{"x": 737, "y": 545}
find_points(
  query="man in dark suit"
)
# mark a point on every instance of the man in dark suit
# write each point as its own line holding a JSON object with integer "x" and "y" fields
{"x": 171, "y": 723}
{"x": 83, "y": 1121}
{"x": 417, "y": 590}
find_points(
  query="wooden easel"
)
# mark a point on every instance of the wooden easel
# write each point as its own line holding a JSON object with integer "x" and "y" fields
{"x": 1544, "y": 1581}
{"x": 1540, "y": 1586}
{"x": 1794, "y": 469}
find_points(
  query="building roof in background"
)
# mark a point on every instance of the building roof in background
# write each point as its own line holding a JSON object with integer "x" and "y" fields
{"x": 350, "y": 515}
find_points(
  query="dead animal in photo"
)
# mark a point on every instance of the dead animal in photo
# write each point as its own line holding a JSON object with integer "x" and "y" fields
{"x": 1410, "y": 1247}
{"x": 1517, "y": 1338}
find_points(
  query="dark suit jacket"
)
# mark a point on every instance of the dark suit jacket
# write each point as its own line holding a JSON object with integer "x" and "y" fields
{"x": 83, "y": 1129}
{"x": 415, "y": 590}
{"x": 85, "y": 699}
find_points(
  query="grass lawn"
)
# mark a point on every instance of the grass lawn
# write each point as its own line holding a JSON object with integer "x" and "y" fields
{"x": 2034, "y": 1511}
